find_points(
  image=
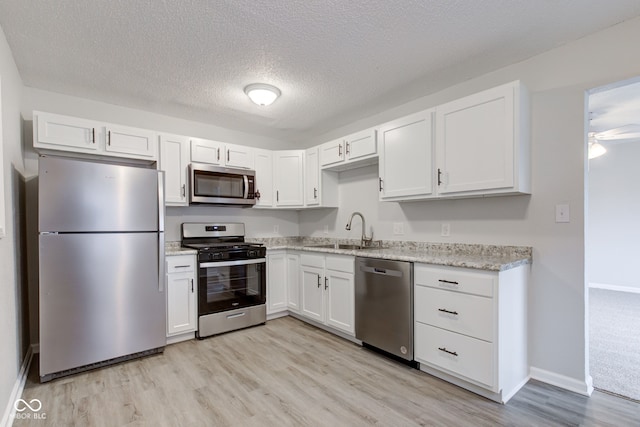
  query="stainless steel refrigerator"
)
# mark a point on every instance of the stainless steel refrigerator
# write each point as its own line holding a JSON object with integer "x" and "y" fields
{"x": 101, "y": 259}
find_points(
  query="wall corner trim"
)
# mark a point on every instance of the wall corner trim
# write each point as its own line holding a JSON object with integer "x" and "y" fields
{"x": 18, "y": 387}
{"x": 581, "y": 387}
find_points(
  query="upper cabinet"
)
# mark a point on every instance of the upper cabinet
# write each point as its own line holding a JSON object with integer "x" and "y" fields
{"x": 288, "y": 173}
{"x": 355, "y": 150}
{"x": 406, "y": 157}
{"x": 482, "y": 143}
{"x": 174, "y": 161}
{"x": 70, "y": 134}
{"x": 263, "y": 162}
{"x": 320, "y": 186}
{"x": 219, "y": 153}
{"x": 473, "y": 147}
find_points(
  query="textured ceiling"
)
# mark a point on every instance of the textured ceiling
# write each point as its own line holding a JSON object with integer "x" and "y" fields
{"x": 335, "y": 60}
{"x": 614, "y": 111}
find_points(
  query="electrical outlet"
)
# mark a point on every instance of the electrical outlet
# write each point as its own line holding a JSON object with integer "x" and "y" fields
{"x": 276, "y": 228}
{"x": 398, "y": 228}
{"x": 445, "y": 229}
{"x": 562, "y": 213}
{"x": 326, "y": 229}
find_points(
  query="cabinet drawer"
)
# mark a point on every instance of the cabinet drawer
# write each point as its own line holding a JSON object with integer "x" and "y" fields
{"x": 340, "y": 263}
{"x": 456, "y": 279}
{"x": 312, "y": 260}
{"x": 466, "y": 314}
{"x": 180, "y": 263}
{"x": 464, "y": 356}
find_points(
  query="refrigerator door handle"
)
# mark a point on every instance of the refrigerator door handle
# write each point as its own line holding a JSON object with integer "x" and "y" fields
{"x": 161, "y": 262}
{"x": 161, "y": 201}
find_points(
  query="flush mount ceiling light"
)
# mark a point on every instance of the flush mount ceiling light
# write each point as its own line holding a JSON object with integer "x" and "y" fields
{"x": 595, "y": 148}
{"x": 261, "y": 93}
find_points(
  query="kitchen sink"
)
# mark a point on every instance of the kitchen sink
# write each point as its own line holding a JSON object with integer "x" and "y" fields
{"x": 345, "y": 246}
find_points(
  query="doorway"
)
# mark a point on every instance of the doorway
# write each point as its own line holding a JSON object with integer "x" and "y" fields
{"x": 612, "y": 240}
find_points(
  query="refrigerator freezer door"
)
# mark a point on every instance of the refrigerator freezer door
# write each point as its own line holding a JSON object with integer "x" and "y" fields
{"x": 83, "y": 196}
{"x": 99, "y": 298}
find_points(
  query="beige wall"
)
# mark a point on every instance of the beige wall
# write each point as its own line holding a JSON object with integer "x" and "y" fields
{"x": 12, "y": 327}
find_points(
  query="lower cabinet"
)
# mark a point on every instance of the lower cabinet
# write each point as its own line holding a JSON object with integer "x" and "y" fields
{"x": 182, "y": 300}
{"x": 327, "y": 287}
{"x": 277, "y": 272}
{"x": 471, "y": 327}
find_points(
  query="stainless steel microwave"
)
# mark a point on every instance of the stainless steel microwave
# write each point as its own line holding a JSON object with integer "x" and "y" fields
{"x": 221, "y": 186}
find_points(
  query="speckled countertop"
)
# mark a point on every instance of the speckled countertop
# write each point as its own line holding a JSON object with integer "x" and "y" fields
{"x": 481, "y": 257}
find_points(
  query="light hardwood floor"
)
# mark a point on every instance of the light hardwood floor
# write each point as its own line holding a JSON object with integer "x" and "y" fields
{"x": 288, "y": 373}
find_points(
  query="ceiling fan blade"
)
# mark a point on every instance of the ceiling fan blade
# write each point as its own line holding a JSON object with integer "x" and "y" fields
{"x": 631, "y": 131}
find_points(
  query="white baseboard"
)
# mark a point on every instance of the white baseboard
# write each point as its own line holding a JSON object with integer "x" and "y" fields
{"x": 16, "y": 392}
{"x": 614, "y": 288}
{"x": 567, "y": 383}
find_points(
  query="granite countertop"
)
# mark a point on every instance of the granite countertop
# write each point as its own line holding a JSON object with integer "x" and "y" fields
{"x": 481, "y": 257}
{"x": 174, "y": 248}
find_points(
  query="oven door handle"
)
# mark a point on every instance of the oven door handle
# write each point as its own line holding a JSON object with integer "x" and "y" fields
{"x": 231, "y": 263}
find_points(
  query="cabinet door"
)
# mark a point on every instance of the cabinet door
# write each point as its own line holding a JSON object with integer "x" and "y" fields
{"x": 264, "y": 177}
{"x": 340, "y": 300}
{"x": 66, "y": 133}
{"x": 312, "y": 305}
{"x": 276, "y": 282}
{"x": 206, "y": 151}
{"x": 293, "y": 282}
{"x": 238, "y": 156}
{"x": 332, "y": 152}
{"x": 181, "y": 303}
{"x": 131, "y": 142}
{"x": 289, "y": 178}
{"x": 174, "y": 161}
{"x": 360, "y": 145}
{"x": 475, "y": 141}
{"x": 406, "y": 157}
{"x": 312, "y": 177}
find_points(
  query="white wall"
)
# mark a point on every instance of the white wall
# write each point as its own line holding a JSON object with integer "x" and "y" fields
{"x": 12, "y": 350}
{"x": 557, "y": 81}
{"x": 614, "y": 217}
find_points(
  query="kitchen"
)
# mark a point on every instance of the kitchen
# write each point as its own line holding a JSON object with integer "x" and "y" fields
{"x": 556, "y": 310}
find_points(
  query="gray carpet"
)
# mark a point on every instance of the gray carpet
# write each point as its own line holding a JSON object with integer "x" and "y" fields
{"x": 614, "y": 336}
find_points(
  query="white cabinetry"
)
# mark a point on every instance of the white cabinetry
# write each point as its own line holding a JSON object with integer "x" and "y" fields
{"x": 320, "y": 186}
{"x": 73, "y": 135}
{"x": 181, "y": 297}
{"x": 471, "y": 327}
{"x": 406, "y": 157}
{"x": 283, "y": 272}
{"x": 219, "y": 153}
{"x": 355, "y": 150}
{"x": 328, "y": 290}
{"x": 277, "y": 281}
{"x": 482, "y": 143}
{"x": 264, "y": 177}
{"x": 174, "y": 161}
{"x": 289, "y": 178}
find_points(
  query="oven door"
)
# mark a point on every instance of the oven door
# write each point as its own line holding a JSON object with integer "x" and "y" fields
{"x": 221, "y": 186}
{"x": 227, "y": 285}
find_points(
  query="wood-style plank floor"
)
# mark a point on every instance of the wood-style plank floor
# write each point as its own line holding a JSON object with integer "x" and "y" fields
{"x": 288, "y": 373}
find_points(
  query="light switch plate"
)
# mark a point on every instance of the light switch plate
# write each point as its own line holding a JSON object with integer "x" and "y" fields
{"x": 398, "y": 228}
{"x": 562, "y": 213}
{"x": 445, "y": 230}
{"x": 276, "y": 228}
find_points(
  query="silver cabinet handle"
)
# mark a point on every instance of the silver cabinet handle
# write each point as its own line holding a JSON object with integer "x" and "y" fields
{"x": 319, "y": 280}
{"x": 228, "y": 155}
{"x": 444, "y": 349}
{"x": 340, "y": 150}
{"x": 346, "y": 146}
{"x": 325, "y": 282}
{"x": 315, "y": 193}
{"x": 93, "y": 135}
{"x": 191, "y": 285}
{"x": 218, "y": 153}
{"x": 277, "y": 196}
{"x": 380, "y": 184}
{"x": 182, "y": 266}
{"x": 109, "y": 138}
{"x": 184, "y": 190}
{"x": 444, "y": 310}
{"x": 449, "y": 282}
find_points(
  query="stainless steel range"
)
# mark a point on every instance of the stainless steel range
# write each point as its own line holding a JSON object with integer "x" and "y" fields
{"x": 231, "y": 277}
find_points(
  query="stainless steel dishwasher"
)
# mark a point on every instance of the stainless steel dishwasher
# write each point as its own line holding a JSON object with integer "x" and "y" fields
{"x": 384, "y": 305}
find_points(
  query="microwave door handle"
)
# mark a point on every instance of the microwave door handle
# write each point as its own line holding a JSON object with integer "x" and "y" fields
{"x": 246, "y": 186}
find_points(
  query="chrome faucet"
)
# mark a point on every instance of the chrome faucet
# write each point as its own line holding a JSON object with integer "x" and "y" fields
{"x": 364, "y": 240}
